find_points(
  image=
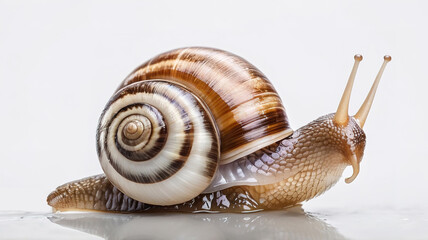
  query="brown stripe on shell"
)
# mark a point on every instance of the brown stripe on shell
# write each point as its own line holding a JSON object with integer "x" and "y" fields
{"x": 211, "y": 166}
{"x": 229, "y": 85}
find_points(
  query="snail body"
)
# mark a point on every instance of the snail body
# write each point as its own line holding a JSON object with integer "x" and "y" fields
{"x": 200, "y": 129}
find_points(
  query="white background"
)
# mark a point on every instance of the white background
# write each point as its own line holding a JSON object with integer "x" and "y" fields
{"x": 60, "y": 61}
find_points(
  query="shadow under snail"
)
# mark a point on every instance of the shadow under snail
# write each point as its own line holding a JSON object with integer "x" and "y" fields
{"x": 201, "y": 129}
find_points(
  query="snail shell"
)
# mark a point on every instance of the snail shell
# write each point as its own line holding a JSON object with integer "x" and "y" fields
{"x": 175, "y": 118}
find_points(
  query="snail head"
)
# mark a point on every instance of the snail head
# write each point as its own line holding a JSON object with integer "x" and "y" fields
{"x": 349, "y": 129}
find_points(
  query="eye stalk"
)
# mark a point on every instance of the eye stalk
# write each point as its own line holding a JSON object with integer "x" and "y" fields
{"x": 341, "y": 117}
{"x": 362, "y": 114}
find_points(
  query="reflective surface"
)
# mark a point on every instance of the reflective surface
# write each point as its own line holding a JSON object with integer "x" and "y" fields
{"x": 292, "y": 223}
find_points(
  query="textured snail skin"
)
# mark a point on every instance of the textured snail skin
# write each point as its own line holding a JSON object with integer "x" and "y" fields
{"x": 310, "y": 162}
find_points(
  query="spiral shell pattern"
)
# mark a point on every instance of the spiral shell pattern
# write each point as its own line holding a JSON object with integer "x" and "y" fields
{"x": 158, "y": 143}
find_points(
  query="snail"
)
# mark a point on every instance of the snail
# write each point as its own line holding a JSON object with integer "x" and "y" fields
{"x": 201, "y": 129}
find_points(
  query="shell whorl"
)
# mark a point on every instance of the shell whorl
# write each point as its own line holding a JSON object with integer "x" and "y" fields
{"x": 157, "y": 143}
{"x": 246, "y": 108}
